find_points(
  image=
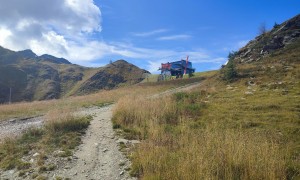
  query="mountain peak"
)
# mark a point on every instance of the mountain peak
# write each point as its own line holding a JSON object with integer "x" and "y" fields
{"x": 27, "y": 53}
{"x": 120, "y": 61}
{"x": 53, "y": 59}
{"x": 113, "y": 75}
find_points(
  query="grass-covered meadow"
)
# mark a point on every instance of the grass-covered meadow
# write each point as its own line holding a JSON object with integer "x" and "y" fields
{"x": 248, "y": 128}
{"x": 212, "y": 134}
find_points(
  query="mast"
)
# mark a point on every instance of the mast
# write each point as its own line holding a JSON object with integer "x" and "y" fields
{"x": 186, "y": 63}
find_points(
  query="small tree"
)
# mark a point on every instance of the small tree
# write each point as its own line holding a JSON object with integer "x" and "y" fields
{"x": 229, "y": 70}
{"x": 276, "y": 25}
{"x": 232, "y": 54}
{"x": 262, "y": 28}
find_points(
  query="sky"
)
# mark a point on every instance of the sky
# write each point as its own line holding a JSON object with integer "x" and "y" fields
{"x": 143, "y": 32}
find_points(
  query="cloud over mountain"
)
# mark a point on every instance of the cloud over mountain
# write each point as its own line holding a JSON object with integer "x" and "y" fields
{"x": 72, "y": 29}
{"x": 53, "y": 27}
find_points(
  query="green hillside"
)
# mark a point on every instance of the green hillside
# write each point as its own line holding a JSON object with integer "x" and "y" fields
{"x": 32, "y": 77}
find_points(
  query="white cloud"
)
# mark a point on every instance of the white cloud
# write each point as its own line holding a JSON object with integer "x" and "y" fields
{"x": 235, "y": 45}
{"x": 4, "y": 34}
{"x": 156, "y": 57}
{"x": 153, "y": 66}
{"x": 50, "y": 43}
{"x": 150, "y": 33}
{"x": 58, "y": 27}
{"x": 175, "y": 37}
{"x": 88, "y": 11}
{"x": 64, "y": 28}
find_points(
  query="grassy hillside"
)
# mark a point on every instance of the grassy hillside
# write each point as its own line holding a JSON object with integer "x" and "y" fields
{"x": 218, "y": 131}
{"x": 247, "y": 127}
{"x": 36, "y": 108}
{"x": 150, "y": 78}
{"x": 33, "y": 77}
{"x": 116, "y": 74}
{"x": 87, "y": 74}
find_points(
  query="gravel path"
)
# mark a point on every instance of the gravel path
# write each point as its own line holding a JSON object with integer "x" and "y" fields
{"x": 14, "y": 127}
{"x": 178, "y": 89}
{"x": 98, "y": 157}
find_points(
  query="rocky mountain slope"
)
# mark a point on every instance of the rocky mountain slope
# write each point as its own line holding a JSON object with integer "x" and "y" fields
{"x": 280, "y": 37}
{"x": 271, "y": 59}
{"x": 115, "y": 74}
{"x": 268, "y": 64}
{"x": 33, "y": 77}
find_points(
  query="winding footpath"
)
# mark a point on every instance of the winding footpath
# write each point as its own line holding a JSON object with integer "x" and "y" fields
{"x": 98, "y": 157}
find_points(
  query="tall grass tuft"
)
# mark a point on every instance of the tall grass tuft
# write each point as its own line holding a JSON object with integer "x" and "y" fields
{"x": 62, "y": 131}
{"x": 64, "y": 120}
{"x": 134, "y": 113}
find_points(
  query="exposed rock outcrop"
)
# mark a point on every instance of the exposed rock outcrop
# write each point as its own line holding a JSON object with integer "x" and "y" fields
{"x": 265, "y": 44}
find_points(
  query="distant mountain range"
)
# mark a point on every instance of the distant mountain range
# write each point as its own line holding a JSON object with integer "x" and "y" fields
{"x": 31, "y": 77}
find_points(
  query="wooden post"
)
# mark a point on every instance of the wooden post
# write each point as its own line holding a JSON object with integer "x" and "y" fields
{"x": 10, "y": 95}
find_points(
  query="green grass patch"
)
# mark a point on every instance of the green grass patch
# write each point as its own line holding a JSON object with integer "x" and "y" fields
{"x": 63, "y": 134}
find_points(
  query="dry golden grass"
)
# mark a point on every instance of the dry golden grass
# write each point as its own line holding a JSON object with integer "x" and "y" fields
{"x": 64, "y": 120}
{"x": 29, "y": 109}
{"x": 62, "y": 131}
{"x": 25, "y": 109}
{"x": 133, "y": 110}
{"x": 209, "y": 154}
{"x": 214, "y": 132}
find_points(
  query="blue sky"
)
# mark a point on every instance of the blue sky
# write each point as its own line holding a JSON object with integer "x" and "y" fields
{"x": 143, "y": 32}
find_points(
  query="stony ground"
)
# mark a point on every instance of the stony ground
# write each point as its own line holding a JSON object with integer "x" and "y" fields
{"x": 14, "y": 127}
{"x": 98, "y": 157}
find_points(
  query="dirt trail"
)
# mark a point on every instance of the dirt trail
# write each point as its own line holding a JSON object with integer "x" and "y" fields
{"x": 178, "y": 89}
{"x": 98, "y": 157}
